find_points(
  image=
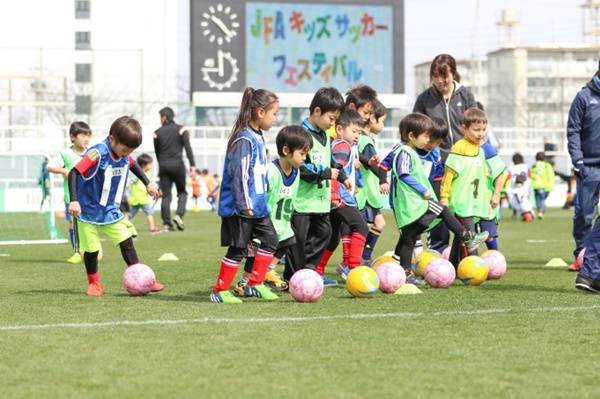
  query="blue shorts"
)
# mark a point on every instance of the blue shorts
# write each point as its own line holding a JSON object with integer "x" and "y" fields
{"x": 147, "y": 208}
{"x": 369, "y": 213}
{"x": 490, "y": 226}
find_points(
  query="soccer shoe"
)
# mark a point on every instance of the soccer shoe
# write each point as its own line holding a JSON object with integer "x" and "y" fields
{"x": 238, "y": 290}
{"x": 75, "y": 259}
{"x": 327, "y": 282}
{"x": 260, "y": 291}
{"x": 541, "y": 215}
{"x": 343, "y": 270}
{"x": 155, "y": 230}
{"x": 414, "y": 280}
{"x": 224, "y": 297}
{"x": 366, "y": 262}
{"x": 476, "y": 240}
{"x": 157, "y": 286}
{"x": 178, "y": 222}
{"x": 273, "y": 280}
{"x": 575, "y": 267}
{"x": 168, "y": 228}
{"x": 587, "y": 284}
{"x": 95, "y": 289}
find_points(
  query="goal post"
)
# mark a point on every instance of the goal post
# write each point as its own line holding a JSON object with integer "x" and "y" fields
{"x": 29, "y": 200}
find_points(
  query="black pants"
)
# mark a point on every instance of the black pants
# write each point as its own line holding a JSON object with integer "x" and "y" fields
{"x": 345, "y": 221}
{"x": 169, "y": 174}
{"x": 312, "y": 231}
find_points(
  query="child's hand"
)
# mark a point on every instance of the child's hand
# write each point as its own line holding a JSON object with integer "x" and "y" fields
{"x": 65, "y": 172}
{"x": 74, "y": 208}
{"x": 427, "y": 195}
{"x": 357, "y": 164}
{"x": 495, "y": 201}
{"x": 153, "y": 191}
{"x": 375, "y": 160}
{"x": 348, "y": 184}
{"x": 335, "y": 203}
{"x": 334, "y": 173}
{"x": 384, "y": 188}
{"x": 247, "y": 212}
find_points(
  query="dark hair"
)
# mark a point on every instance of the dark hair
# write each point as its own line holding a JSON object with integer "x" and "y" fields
{"x": 126, "y": 131}
{"x": 361, "y": 96}
{"x": 415, "y": 123}
{"x": 204, "y": 171}
{"x": 474, "y": 115}
{"x": 79, "y": 128}
{"x": 349, "y": 117}
{"x": 442, "y": 64}
{"x": 480, "y": 106}
{"x": 440, "y": 129}
{"x": 252, "y": 101}
{"x": 379, "y": 109}
{"x": 293, "y": 137}
{"x": 540, "y": 156}
{"x": 327, "y": 99}
{"x": 168, "y": 112}
{"x": 144, "y": 159}
{"x": 517, "y": 158}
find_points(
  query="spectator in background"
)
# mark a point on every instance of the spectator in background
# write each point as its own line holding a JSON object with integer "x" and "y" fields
{"x": 169, "y": 141}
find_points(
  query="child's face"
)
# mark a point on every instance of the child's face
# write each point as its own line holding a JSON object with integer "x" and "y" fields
{"x": 475, "y": 133}
{"x": 147, "y": 167}
{"x": 433, "y": 144}
{"x": 365, "y": 111}
{"x": 377, "y": 124}
{"x": 269, "y": 117}
{"x": 119, "y": 149}
{"x": 295, "y": 158}
{"x": 419, "y": 141}
{"x": 325, "y": 121}
{"x": 351, "y": 133}
{"x": 82, "y": 140}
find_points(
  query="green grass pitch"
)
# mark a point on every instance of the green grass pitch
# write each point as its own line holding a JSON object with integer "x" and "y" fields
{"x": 529, "y": 335}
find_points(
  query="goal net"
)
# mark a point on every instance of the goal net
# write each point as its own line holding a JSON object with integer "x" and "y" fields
{"x": 29, "y": 200}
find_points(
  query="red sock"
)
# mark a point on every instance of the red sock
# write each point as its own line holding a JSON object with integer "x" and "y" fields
{"x": 323, "y": 262}
{"x": 226, "y": 275}
{"x": 262, "y": 260}
{"x": 93, "y": 278}
{"x": 346, "y": 248}
{"x": 355, "y": 249}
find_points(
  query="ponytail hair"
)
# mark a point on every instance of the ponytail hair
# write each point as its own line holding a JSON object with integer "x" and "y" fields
{"x": 252, "y": 101}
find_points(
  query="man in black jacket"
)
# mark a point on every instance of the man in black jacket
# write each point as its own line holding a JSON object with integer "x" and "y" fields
{"x": 169, "y": 140}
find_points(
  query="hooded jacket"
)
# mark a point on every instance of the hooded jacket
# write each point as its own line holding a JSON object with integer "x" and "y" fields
{"x": 583, "y": 126}
{"x": 431, "y": 103}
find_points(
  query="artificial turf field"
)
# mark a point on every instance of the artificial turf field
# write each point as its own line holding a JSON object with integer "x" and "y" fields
{"x": 529, "y": 335}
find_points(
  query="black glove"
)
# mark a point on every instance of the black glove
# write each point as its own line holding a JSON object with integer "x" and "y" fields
{"x": 579, "y": 170}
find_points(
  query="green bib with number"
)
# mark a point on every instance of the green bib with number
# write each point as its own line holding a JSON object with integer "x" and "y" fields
{"x": 468, "y": 192}
{"x": 369, "y": 193}
{"x": 70, "y": 159}
{"x": 281, "y": 201}
{"x": 316, "y": 198}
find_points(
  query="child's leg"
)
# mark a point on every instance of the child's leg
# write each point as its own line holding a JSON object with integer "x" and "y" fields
{"x": 317, "y": 239}
{"x": 374, "y": 216}
{"x": 295, "y": 256}
{"x": 359, "y": 230}
{"x": 459, "y": 251}
{"x": 334, "y": 240}
{"x": 266, "y": 234}
{"x": 229, "y": 267}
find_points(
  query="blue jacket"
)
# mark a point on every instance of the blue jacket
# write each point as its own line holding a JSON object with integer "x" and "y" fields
{"x": 583, "y": 126}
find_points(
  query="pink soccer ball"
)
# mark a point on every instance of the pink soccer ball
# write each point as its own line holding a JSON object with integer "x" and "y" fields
{"x": 306, "y": 285}
{"x": 580, "y": 257}
{"x": 446, "y": 253}
{"x": 440, "y": 273}
{"x": 391, "y": 277}
{"x": 496, "y": 263}
{"x": 138, "y": 279}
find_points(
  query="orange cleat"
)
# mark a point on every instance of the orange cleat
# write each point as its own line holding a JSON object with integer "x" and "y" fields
{"x": 157, "y": 286}
{"x": 95, "y": 289}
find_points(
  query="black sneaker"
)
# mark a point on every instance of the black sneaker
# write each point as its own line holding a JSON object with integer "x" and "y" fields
{"x": 178, "y": 222}
{"x": 587, "y": 284}
{"x": 168, "y": 228}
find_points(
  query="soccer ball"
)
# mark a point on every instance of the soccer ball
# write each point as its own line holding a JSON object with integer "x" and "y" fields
{"x": 527, "y": 217}
{"x": 391, "y": 277}
{"x": 380, "y": 260}
{"x": 362, "y": 282}
{"x": 580, "y": 257}
{"x": 423, "y": 260}
{"x": 472, "y": 270}
{"x": 446, "y": 252}
{"x": 440, "y": 273}
{"x": 306, "y": 285}
{"x": 138, "y": 279}
{"x": 496, "y": 263}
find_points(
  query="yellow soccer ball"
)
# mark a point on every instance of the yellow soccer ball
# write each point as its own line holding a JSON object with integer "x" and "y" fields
{"x": 472, "y": 270}
{"x": 380, "y": 260}
{"x": 423, "y": 259}
{"x": 362, "y": 282}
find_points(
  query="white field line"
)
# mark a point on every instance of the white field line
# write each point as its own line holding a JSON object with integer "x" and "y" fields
{"x": 296, "y": 319}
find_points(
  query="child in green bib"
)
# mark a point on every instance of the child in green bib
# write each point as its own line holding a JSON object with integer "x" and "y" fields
{"x": 416, "y": 208}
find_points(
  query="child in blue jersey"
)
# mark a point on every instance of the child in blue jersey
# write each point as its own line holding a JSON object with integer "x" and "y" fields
{"x": 495, "y": 178}
{"x": 243, "y": 205}
{"x": 80, "y": 135}
{"x": 96, "y": 187}
{"x": 293, "y": 143}
{"x": 310, "y": 219}
{"x": 344, "y": 210}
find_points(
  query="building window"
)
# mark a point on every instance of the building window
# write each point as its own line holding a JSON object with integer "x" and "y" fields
{"x": 82, "y": 9}
{"x": 82, "y": 40}
{"x": 83, "y": 73}
{"x": 83, "y": 105}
